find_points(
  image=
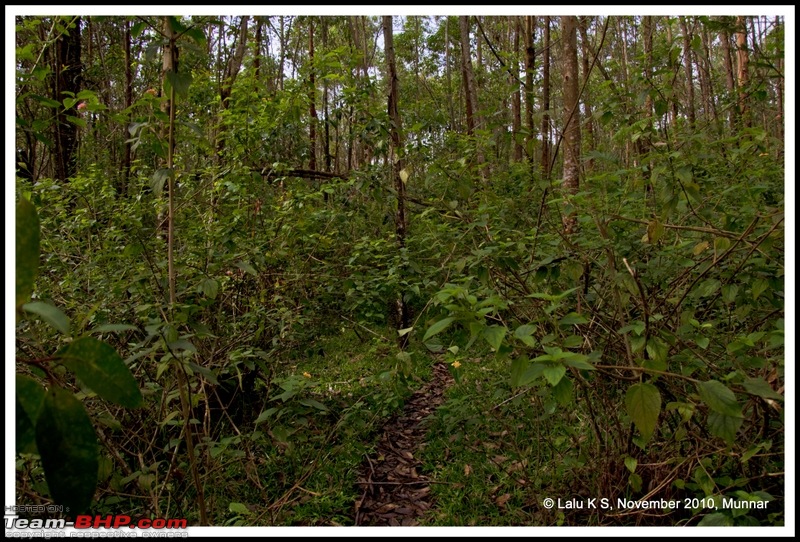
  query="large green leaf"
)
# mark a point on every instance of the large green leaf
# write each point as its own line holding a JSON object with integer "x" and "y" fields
{"x": 554, "y": 373}
{"x": 100, "y": 367}
{"x": 29, "y": 399}
{"x": 438, "y": 327}
{"x": 719, "y": 398}
{"x": 724, "y": 426}
{"x": 643, "y": 402}
{"x": 68, "y": 447}
{"x": 760, "y": 387}
{"x": 494, "y": 336}
{"x": 50, "y": 314}
{"x": 27, "y": 250}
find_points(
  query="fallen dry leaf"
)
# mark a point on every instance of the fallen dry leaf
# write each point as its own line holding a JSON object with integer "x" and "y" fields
{"x": 467, "y": 470}
{"x": 503, "y": 499}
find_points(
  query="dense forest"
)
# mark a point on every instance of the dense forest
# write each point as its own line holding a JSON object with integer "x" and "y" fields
{"x": 401, "y": 270}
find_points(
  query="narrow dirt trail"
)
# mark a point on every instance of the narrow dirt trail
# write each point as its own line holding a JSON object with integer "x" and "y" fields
{"x": 393, "y": 491}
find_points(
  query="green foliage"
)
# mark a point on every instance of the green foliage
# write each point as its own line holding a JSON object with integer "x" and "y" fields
{"x": 52, "y": 422}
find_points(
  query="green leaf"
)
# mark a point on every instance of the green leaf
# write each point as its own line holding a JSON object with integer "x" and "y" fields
{"x": 579, "y": 361}
{"x": 716, "y": 519}
{"x": 239, "y": 508}
{"x": 572, "y": 319}
{"x": 724, "y": 426}
{"x": 658, "y": 350}
{"x": 494, "y": 336}
{"x": 524, "y": 332}
{"x": 27, "y": 250}
{"x": 708, "y": 287}
{"x": 643, "y": 402}
{"x": 562, "y": 392}
{"x": 179, "y": 81}
{"x": 28, "y": 402}
{"x": 437, "y": 328}
{"x": 247, "y": 268}
{"x": 68, "y": 448}
{"x": 264, "y": 416}
{"x": 554, "y": 373}
{"x": 50, "y": 314}
{"x": 760, "y": 387}
{"x": 210, "y": 288}
{"x": 719, "y": 398}
{"x": 101, "y": 368}
{"x": 197, "y": 35}
{"x": 759, "y": 286}
{"x": 158, "y": 180}
{"x": 630, "y": 463}
{"x": 136, "y": 30}
{"x": 314, "y": 404}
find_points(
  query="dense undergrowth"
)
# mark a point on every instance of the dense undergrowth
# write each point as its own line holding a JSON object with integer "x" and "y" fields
{"x": 283, "y": 329}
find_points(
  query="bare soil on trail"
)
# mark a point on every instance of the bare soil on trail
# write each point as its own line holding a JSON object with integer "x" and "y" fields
{"x": 393, "y": 490}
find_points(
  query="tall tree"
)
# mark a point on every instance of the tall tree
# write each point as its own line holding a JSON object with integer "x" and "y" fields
{"x": 572, "y": 127}
{"x": 470, "y": 92}
{"x": 546, "y": 99}
{"x": 742, "y": 67}
{"x": 67, "y": 82}
{"x": 730, "y": 81}
{"x": 516, "y": 97}
{"x": 530, "y": 73}
{"x": 397, "y": 161}
{"x": 688, "y": 72}
{"x": 312, "y": 99}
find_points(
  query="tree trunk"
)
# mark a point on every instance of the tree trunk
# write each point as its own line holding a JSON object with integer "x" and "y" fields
{"x": 257, "y": 48}
{"x": 516, "y": 98}
{"x": 471, "y": 93}
{"x": 742, "y": 64}
{"x": 68, "y": 79}
{"x": 546, "y": 100}
{"x": 530, "y": 61}
{"x": 398, "y": 165}
{"x": 572, "y": 127}
{"x": 126, "y": 157}
{"x": 730, "y": 81}
{"x": 467, "y": 75}
{"x": 687, "y": 68}
{"x": 585, "y": 57}
{"x": 312, "y": 99}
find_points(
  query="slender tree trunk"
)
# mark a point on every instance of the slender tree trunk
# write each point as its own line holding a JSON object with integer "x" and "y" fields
{"x": 448, "y": 75}
{"x": 126, "y": 158}
{"x": 546, "y": 100}
{"x": 673, "y": 109}
{"x": 399, "y": 175}
{"x": 467, "y": 75}
{"x": 471, "y": 94}
{"x": 257, "y": 46}
{"x": 530, "y": 63}
{"x": 742, "y": 64}
{"x": 572, "y": 127}
{"x": 587, "y": 105}
{"x": 779, "y": 88}
{"x": 705, "y": 76}
{"x": 68, "y": 79}
{"x": 312, "y": 99}
{"x": 327, "y": 142}
{"x": 516, "y": 98}
{"x": 730, "y": 81}
{"x": 687, "y": 68}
